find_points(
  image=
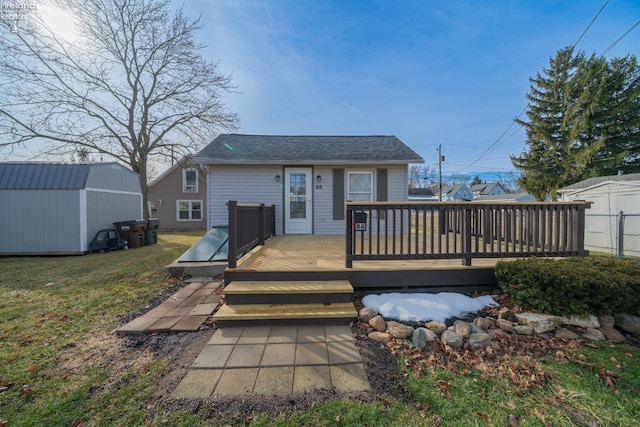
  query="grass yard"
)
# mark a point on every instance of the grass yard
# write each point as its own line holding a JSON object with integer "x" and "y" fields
{"x": 60, "y": 365}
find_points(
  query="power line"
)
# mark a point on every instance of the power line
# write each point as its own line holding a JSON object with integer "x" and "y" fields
{"x": 591, "y": 23}
{"x": 619, "y": 39}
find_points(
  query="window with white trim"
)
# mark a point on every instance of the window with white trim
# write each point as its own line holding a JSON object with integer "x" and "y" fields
{"x": 189, "y": 210}
{"x": 189, "y": 180}
{"x": 360, "y": 186}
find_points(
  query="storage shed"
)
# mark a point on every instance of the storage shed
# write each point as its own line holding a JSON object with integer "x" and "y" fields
{"x": 57, "y": 208}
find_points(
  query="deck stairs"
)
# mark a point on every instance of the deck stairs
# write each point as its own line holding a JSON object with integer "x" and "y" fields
{"x": 283, "y": 302}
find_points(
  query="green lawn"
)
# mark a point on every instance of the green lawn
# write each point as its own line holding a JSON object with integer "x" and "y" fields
{"x": 57, "y": 314}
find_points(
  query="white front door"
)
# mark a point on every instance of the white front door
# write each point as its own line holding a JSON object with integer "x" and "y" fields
{"x": 298, "y": 209}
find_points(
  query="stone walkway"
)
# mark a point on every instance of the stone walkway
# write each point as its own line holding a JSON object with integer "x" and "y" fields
{"x": 184, "y": 311}
{"x": 276, "y": 360}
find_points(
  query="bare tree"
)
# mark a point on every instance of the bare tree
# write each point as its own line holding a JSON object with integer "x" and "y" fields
{"x": 509, "y": 181}
{"x": 422, "y": 176}
{"x": 131, "y": 84}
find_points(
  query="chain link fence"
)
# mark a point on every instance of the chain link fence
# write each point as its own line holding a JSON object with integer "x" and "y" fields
{"x": 613, "y": 234}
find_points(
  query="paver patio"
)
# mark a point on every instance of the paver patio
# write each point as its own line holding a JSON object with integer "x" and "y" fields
{"x": 278, "y": 360}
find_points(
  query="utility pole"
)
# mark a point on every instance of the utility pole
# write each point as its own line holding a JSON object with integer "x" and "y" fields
{"x": 440, "y": 160}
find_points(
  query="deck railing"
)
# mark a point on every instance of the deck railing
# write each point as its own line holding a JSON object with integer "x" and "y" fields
{"x": 464, "y": 230}
{"x": 249, "y": 226}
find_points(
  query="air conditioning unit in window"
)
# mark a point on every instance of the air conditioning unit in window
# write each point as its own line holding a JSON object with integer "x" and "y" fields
{"x": 190, "y": 188}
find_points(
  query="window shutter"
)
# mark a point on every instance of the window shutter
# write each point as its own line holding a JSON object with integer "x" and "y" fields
{"x": 381, "y": 190}
{"x": 338, "y": 194}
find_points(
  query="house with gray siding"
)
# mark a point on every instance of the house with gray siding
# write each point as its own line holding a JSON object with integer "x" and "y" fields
{"x": 57, "y": 208}
{"x": 307, "y": 178}
{"x": 178, "y": 197}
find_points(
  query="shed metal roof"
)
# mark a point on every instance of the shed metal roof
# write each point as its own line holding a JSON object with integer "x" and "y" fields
{"x": 291, "y": 149}
{"x": 43, "y": 176}
{"x": 590, "y": 182}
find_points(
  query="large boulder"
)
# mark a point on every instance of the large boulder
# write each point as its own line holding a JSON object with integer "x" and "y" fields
{"x": 606, "y": 321}
{"x": 586, "y": 321}
{"x": 523, "y": 330}
{"x": 612, "y": 334}
{"x": 421, "y": 336}
{"x": 451, "y": 339}
{"x": 594, "y": 334}
{"x": 378, "y": 323}
{"x": 380, "y": 337}
{"x": 482, "y": 323}
{"x": 505, "y": 325}
{"x": 479, "y": 340}
{"x": 437, "y": 327}
{"x": 398, "y": 330}
{"x": 463, "y": 329}
{"x": 628, "y": 322}
{"x": 566, "y": 334}
{"x": 367, "y": 314}
{"x": 539, "y": 322}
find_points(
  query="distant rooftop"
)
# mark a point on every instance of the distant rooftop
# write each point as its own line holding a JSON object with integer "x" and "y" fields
{"x": 590, "y": 182}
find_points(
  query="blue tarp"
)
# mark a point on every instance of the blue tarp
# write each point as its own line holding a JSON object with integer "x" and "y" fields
{"x": 214, "y": 246}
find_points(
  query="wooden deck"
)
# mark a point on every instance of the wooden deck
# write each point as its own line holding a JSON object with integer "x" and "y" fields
{"x": 313, "y": 257}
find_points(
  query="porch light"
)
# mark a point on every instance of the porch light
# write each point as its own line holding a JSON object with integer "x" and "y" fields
{"x": 318, "y": 179}
{"x": 277, "y": 178}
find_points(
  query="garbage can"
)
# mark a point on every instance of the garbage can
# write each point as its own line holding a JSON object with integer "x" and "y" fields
{"x": 133, "y": 231}
{"x": 151, "y": 234}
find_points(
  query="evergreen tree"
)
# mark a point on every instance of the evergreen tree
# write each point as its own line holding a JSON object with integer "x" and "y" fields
{"x": 583, "y": 121}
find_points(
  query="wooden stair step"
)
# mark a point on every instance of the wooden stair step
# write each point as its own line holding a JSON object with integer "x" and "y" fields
{"x": 285, "y": 311}
{"x": 284, "y": 287}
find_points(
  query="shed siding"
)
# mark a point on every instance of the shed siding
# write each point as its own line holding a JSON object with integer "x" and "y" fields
{"x": 113, "y": 177}
{"x": 245, "y": 184}
{"x": 103, "y": 209}
{"x": 609, "y": 199}
{"x": 166, "y": 192}
{"x": 40, "y": 221}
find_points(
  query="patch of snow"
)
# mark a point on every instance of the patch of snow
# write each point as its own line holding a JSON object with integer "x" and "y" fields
{"x": 424, "y": 307}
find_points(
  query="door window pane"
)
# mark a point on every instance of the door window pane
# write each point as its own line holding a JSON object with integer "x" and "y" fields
{"x": 298, "y": 195}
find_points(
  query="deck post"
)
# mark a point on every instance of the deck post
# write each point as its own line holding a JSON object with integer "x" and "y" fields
{"x": 348, "y": 234}
{"x": 261, "y": 221}
{"x": 466, "y": 235}
{"x": 233, "y": 233}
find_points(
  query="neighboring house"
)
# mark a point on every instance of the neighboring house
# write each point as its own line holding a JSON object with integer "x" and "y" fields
{"x": 487, "y": 189}
{"x": 609, "y": 194}
{"x": 456, "y": 192}
{"x": 307, "y": 178}
{"x": 422, "y": 195}
{"x": 511, "y": 197}
{"x": 178, "y": 197}
{"x": 57, "y": 208}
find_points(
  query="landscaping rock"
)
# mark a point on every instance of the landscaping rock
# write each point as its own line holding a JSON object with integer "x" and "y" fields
{"x": 566, "y": 334}
{"x": 451, "y": 339}
{"x": 507, "y": 314}
{"x": 523, "y": 329}
{"x": 476, "y": 330}
{"x": 479, "y": 340}
{"x": 482, "y": 323}
{"x": 505, "y": 325}
{"x": 421, "y": 336}
{"x": 539, "y": 322}
{"x": 398, "y": 330}
{"x": 463, "y": 329}
{"x": 378, "y": 323}
{"x": 594, "y": 334}
{"x": 628, "y": 323}
{"x": 606, "y": 321}
{"x": 612, "y": 334}
{"x": 367, "y": 314}
{"x": 380, "y": 337}
{"x": 586, "y": 321}
{"x": 437, "y": 327}
{"x": 494, "y": 333}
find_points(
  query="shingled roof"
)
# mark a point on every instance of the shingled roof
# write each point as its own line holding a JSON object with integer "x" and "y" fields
{"x": 305, "y": 149}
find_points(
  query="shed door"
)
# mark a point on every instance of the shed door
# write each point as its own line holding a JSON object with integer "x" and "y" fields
{"x": 298, "y": 218}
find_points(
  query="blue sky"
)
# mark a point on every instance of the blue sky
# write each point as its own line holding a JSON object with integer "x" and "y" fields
{"x": 431, "y": 72}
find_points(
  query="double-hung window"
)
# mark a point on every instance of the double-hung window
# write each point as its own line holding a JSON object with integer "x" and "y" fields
{"x": 189, "y": 180}
{"x": 189, "y": 210}
{"x": 360, "y": 186}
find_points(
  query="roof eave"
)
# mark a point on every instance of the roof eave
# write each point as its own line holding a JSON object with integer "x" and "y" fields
{"x": 209, "y": 161}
